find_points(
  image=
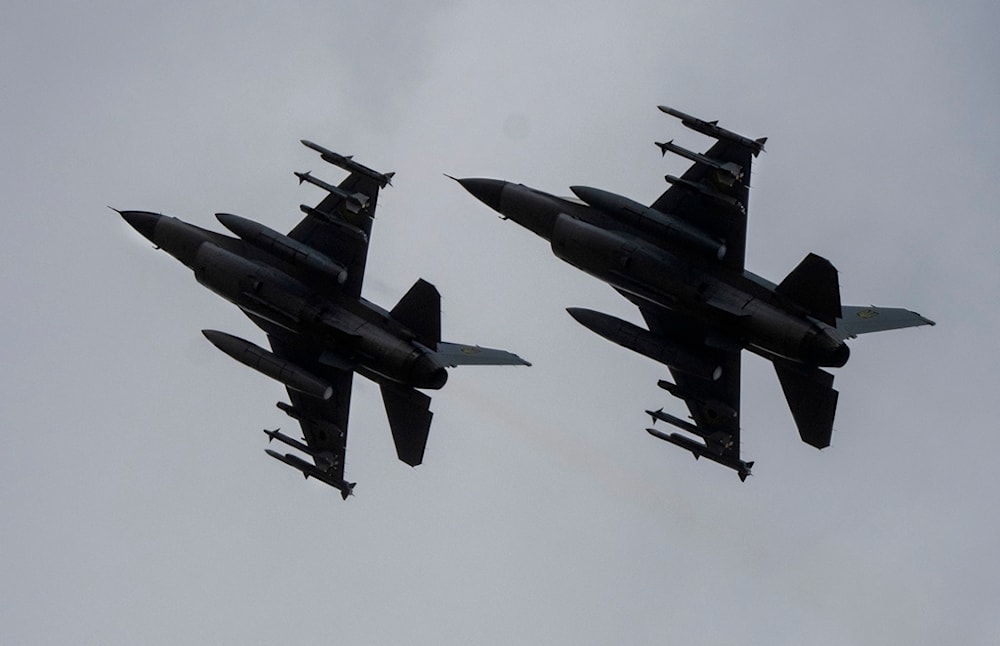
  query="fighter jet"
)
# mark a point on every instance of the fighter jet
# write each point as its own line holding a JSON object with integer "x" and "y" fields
{"x": 304, "y": 290}
{"x": 681, "y": 261}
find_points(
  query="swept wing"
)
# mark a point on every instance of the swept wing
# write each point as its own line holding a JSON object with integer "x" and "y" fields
{"x": 340, "y": 225}
{"x": 713, "y": 404}
{"x": 713, "y": 195}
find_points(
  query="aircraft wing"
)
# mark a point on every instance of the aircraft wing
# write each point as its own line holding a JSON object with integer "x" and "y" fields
{"x": 714, "y": 406}
{"x": 340, "y": 225}
{"x": 712, "y": 199}
{"x": 323, "y": 422}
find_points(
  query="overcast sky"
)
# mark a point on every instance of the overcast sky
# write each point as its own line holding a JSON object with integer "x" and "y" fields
{"x": 137, "y": 503}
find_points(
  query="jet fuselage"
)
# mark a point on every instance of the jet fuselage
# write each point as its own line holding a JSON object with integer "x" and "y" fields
{"x": 668, "y": 273}
{"x": 269, "y": 288}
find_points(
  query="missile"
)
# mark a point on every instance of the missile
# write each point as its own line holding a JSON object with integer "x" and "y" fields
{"x": 709, "y": 192}
{"x": 712, "y": 129}
{"x": 675, "y": 421}
{"x": 311, "y": 470}
{"x": 699, "y": 450}
{"x": 282, "y": 246}
{"x": 347, "y": 163}
{"x": 716, "y": 407}
{"x": 355, "y": 202}
{"x": 648, "y": 344}
{"x": 720, "y": 437}
{"x": 648, "y": 220}
{"x": 330, "y": 218}
{"x": 729, "y": 172}
{"x": 270, "y": 364}
{"x": 327, "y": 457}
{"x": 276, "y": 434}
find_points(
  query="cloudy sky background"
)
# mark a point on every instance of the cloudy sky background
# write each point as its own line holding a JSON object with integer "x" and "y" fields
{"x": 137, "y": 503}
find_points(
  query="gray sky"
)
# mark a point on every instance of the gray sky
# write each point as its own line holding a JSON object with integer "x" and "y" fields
{"x": 138, "y": 505}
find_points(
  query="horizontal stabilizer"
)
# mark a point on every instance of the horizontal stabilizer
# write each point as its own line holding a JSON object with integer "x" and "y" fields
{"x": 857, "y": 320}
{"x": 812, "y": 400}
{"x": 420, "y": 311}
{"x": 814, "y": 286}
{"x": 457, "y": 354}
{"x": 409, "y": 416}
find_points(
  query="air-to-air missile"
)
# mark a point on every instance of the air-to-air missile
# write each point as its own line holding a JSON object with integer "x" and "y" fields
{"x": 700, "y": 450}
{"x": 354, "y": 202}
{"x": 267, "y": 363}
{"x": 347, "y": 163}
{"x": 649, "y": 220}
{"x": 729, "y": 172}
{"x": 283, "y": 247}
{"x": 276, "y": 434}
{"x": 712, "y": 129}
{"x": 675, "y": 421}
{"x": 312, "y": 471}
{"x": 325, "y": 457}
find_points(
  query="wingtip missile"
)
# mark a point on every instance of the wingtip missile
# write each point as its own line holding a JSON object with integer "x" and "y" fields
{"x": 699, "y": 450}
{"x": 712, "y": 129}
{"x": 311, "y": 471}
{"x": 347, "y": 163}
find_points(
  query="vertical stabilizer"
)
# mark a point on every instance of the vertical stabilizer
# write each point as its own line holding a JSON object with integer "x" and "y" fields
{"x": 814, "y": 286}
{"x": 420, "y": 311}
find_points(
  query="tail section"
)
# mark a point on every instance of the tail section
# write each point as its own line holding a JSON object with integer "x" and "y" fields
{"x": 857, "y": 320}
{"x": 410, "y": 417}
{"x": 420, "y": 311}
{"x": 812, "y": 400}
{"x": 814, "y": 286}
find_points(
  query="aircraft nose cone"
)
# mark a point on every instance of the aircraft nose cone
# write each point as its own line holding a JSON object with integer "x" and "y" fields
{"x": 143, "y": 222}
{"x": 487, "y": 191}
